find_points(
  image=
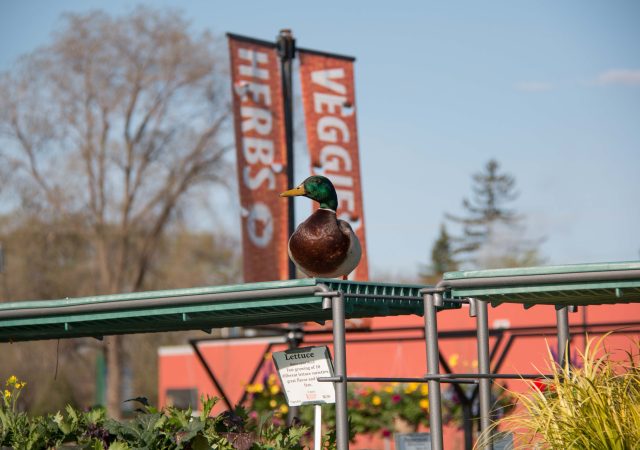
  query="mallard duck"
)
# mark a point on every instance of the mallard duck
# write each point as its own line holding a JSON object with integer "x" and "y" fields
{"x": 323, "y": 245}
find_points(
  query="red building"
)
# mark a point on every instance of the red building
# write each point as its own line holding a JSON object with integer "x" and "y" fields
{"x": 394, "y": 347}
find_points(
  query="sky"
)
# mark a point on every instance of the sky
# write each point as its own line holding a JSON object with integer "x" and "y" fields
{"x": 550, "y": 89}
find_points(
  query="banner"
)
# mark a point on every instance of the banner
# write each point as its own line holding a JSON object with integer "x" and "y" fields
{"x": 328, "y": 99}
{"x": 261, "y": 154}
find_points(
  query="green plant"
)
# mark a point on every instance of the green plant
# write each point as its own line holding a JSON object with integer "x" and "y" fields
{"x": 15, "y": 427}
{"x": 381, "y": 409}
{"x": 170, "y": 428}
{"x": 595, "y": 407}
{"x": 267, "y": 399}
{"x": 503, "y": 402}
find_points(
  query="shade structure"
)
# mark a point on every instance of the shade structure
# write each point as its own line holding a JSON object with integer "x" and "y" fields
{"x": 563, "y": 286}
{"x": 576, "y": 284}
{"x": 250, "y": 304}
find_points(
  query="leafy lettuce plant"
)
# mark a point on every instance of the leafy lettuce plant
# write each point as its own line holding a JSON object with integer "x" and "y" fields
{"x": 170, "y": 428}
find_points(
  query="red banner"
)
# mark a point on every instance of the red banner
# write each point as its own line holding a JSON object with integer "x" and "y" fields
{"x": 328, "y": 98}
{"x": 261, "y": 154}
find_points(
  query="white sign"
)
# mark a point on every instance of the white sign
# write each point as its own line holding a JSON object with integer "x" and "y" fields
{"x": 413, "y": 441}
{"x": 299, "y": 370}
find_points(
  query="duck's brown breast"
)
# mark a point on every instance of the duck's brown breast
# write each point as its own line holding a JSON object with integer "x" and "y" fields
{"x": 318, "y": 244}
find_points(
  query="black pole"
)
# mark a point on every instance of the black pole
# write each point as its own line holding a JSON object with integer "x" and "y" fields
{"x": 286, "y": 46}
{"x": 467, "y": 422}
{"x": 212, "y": 377}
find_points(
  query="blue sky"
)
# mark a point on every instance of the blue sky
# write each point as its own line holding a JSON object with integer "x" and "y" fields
{"x": 550, "y": 89}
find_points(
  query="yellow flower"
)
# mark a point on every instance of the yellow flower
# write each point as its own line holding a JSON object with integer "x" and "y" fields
{"x": 7, "y": 394}
{"x": 12, "y": 380}
{"x": 284, "y": 409}
{"x": 273, "y": 403}
{"x": 375, "y": 400}
{"x": 388, "y": 389}
{"x": 272, "y": 379}
{"x": 424, "y": 403}
{"x": 274, "y": 389}
{"x": 424, "y": 389}
{"x": 411, "y": 387}
{"x": 253, "y": 388}
{"x": 453, "y": 360}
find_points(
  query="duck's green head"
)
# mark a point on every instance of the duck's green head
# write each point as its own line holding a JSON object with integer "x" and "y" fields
{"x": 316, "y": 188}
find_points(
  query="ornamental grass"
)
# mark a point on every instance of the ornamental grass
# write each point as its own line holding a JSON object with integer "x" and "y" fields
{"x": 594, "y": 407}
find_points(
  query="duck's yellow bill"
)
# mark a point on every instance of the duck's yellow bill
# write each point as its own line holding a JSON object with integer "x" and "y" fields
{"x": 294, "y": 192}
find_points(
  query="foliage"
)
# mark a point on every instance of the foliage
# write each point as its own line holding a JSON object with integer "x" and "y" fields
{"x": 594, "y": 407}
{"x": 371, "y": 410}
{"x": 503, "y": 402}
{"x": 267, "y": 398}
{"x": 442, "y": 258}
{"x": 491, "y": 191}
{"x": 383, "y": 409}
{"x": 171, "y": 428}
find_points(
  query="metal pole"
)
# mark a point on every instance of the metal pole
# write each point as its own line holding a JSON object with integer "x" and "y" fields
{"x": 317, "y": 428}
{"x": 483, "y": 367}
{"x": 212, "y": 376}
{"x": 340, "y": 370}
{"x": 435, "y": 405}
{"x": 585, "y": 328}
{"x": 294, "y": 338}
{"x": 467, "y": 421}
{"x": 562, "y": 318}
{"x": 286, "y": 46}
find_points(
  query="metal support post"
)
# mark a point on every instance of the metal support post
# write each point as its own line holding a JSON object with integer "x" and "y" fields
{"x": 562, "y": 319}
{"x": 294, "y": 337}
{"x": 435, "y": 404}
{"x": 340, "y": 370}
{"x": 482, "y": 319}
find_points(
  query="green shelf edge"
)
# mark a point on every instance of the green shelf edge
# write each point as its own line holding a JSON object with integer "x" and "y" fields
{"x": 126, "y": 313}
{"x": 542, "y": 270}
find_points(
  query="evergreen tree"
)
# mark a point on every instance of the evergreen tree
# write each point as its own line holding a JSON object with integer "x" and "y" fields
{"x": 491, "y": 231}
{"x": 442, "y": 258}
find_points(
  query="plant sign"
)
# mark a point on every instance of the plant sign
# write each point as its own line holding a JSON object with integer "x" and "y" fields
{"x": 299, "y": 370}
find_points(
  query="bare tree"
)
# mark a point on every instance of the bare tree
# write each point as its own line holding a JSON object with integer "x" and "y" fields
{"x": 115, "y": 124}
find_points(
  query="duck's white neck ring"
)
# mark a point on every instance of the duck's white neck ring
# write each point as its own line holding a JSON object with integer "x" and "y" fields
{"x": 327, "y": 209}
